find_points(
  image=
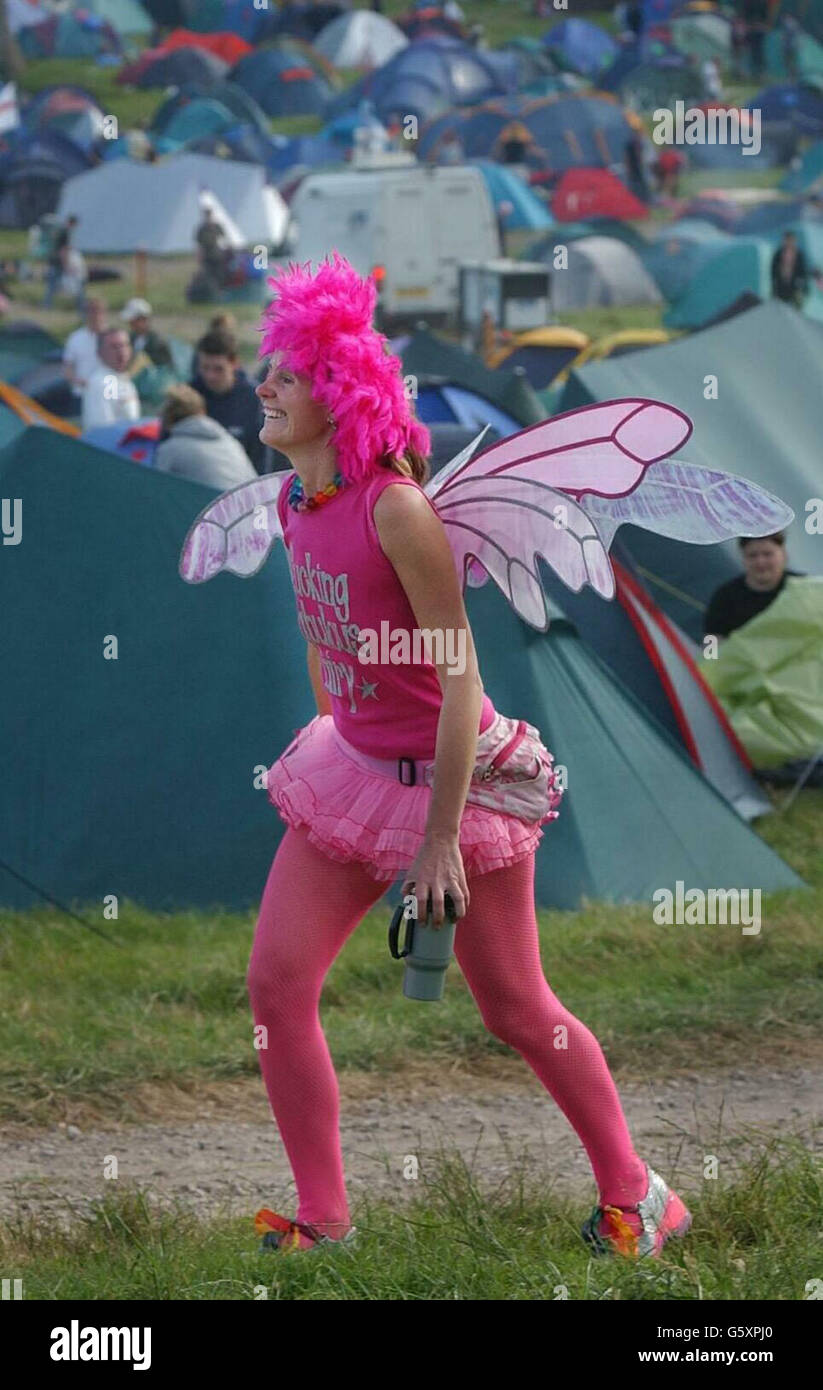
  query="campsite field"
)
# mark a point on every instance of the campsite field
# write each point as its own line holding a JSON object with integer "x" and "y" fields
{"x": 142, "y": 1050}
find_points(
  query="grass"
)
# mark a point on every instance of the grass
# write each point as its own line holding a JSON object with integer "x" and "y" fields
{"x": 85, "y": 1021}
{"x": 755, "y": 1236}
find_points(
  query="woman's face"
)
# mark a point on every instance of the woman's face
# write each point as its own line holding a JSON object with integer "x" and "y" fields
{"x": 292, "y": 416}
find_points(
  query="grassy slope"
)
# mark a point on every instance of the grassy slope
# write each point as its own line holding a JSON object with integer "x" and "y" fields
{"x": 84, "y": 1019}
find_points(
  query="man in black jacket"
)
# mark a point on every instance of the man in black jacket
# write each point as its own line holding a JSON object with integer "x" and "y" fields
{"x": 790, "y": 274}
{"x": 229, "y": 395}
{"x": 764, "y": 577}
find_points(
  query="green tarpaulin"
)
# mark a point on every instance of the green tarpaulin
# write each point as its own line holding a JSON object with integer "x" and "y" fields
{"x": 768, "y": 675}
{"x": 135, "y": 776}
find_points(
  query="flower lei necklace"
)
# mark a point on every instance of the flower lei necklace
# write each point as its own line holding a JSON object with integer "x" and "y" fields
{"x": 301, "y": 503}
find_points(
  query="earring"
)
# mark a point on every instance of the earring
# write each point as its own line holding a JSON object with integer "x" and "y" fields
{"x": 330, "y": 420}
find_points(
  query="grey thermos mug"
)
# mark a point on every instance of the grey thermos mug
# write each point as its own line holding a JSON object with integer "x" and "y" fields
{"x": 426, "y": 950}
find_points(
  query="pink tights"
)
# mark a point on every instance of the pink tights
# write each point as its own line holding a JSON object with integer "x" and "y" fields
{"x": 310, "y": 906}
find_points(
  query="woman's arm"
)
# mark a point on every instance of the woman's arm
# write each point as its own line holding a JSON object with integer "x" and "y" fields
{"x": 414, "y": 540}
{"x": 321, "y": 695}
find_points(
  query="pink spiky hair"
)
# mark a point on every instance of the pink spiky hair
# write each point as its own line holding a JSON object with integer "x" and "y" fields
{"x": 322, "y": 324}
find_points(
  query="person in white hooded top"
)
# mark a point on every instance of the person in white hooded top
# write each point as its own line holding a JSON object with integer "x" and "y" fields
{"x": 195, "y": 446}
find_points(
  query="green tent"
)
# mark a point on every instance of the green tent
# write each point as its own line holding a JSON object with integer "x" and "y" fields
{"x": 127, "y": 17}
{"x": 742, "y": 265}
{"x": 135, "y": 776}
{"x": 765, "y": 423}
{"x": 768, "y": 675}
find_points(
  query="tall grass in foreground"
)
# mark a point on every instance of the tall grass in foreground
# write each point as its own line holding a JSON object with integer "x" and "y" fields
{"x": 758, "y": 1236}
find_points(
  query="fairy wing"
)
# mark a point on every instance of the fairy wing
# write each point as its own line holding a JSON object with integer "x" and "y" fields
{"x": 560, "y": 490}
{"x": 512, "y": 503}
{"x": 235, "y": 532}
{"x": 689, "y": 503}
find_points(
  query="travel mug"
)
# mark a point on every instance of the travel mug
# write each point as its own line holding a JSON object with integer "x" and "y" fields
{"x": 426, "y": 950}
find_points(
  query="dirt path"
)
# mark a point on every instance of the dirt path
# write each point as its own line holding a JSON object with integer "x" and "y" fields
{"x": 230, "y": 1160}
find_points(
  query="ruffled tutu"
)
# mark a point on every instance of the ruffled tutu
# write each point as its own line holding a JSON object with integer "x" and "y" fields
{"x": 355, "y": 813}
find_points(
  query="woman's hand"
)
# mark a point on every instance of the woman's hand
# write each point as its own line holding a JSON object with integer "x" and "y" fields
{"x": 438, "y": 869}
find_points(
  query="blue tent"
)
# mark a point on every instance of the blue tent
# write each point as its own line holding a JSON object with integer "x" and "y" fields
{"x": 33, "y": 169}
{"x": 456, "y": 405}
{"x": 679, "y": 251}
{"x": 425, "y": 80}
{"x": 777, "y": 146}
{"x": 280, "y": 85}
{"x": 795, "y": 102}
{"x": 571, "y": 130}
{"x": 581, "y": 46}
{"x": 527, "y": 211}
{"x": 80, "y": 35}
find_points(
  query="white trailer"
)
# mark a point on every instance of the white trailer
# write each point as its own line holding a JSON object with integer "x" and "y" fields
{"x": 418, "y": 222}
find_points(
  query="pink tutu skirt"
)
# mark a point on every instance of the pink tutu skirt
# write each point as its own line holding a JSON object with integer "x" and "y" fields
{"x": 355, "y": 813}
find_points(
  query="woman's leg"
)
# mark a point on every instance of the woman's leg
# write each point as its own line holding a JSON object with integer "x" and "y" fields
{"x": 497, "y": 948}
{"x": 310, "y": 905}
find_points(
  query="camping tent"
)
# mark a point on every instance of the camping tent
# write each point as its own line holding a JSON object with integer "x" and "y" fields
{"x": 210, "y": 682}
{"x": 581, "y": 46}
{"x": 525, "y": 210}
{"x": 807, "y": 176}
{"x": 127, "y": 17}
{"x": 766, "y": 423}
{"x": 601, "y": 270}
{"x": 594, "y": 193}
{"x": 541, "y": 352}
{"x": 429, "y": 357}
{"x": 33, "y": 172}
{"x": 281, "y": 85}
{"x": 798, "y": 103}
{"x": 164, "y": 203}
{"x": 360, "y": 39}
{"x": 425, "y": 79}
{"x": 769, "y": 676}
{"x": 571, "y": 130}
{"x": 79, "y": 35}
{"x": 744, "y": 264}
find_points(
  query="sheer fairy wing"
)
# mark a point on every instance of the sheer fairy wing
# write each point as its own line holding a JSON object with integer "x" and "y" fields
{"x": 502, "y": 526}
{"x": 235, "y": 532}
{"x": 689, "y": 503}
{"x": 602, "y": 448}
{"x": 512, "y": 503}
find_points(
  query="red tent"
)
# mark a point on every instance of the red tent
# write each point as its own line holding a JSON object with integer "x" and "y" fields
{"x": 230, "y": 47}
{"x": 585, "y": 193}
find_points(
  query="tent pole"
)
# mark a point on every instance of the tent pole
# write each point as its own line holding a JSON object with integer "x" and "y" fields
{"x": 801, "y": 781}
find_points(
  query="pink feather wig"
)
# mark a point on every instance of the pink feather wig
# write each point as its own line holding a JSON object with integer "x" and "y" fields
{"x": 322, "y": 324}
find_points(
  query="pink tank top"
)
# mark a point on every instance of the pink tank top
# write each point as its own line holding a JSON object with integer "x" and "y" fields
{"x": 344, "y": 583}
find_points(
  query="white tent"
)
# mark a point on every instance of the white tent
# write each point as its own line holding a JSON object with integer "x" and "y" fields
{"x": 360, "y": 39}
{"x": 124, "y": 205}
{"x": 601, "y": 270}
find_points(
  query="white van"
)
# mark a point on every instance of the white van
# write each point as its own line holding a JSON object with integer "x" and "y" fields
{"x": 418, "y": 222}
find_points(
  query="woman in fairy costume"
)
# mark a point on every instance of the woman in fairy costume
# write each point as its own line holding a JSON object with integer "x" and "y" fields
{"x": 367, "y": 547}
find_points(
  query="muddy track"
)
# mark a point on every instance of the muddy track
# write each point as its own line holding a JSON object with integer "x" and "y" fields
{"x": 221, "y": 1154}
